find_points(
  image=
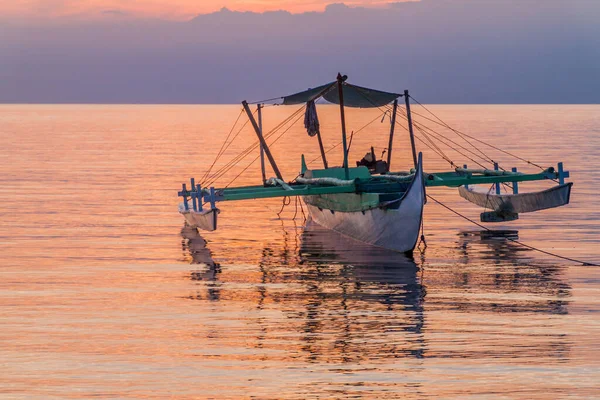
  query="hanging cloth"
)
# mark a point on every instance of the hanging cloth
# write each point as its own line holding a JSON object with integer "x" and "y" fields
{"x": 311, "y": 119}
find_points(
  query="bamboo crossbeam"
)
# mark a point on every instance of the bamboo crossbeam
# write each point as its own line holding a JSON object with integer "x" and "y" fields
{"x": 378, "y": 185}
{"x": 269, "y": 192}
{"x": 486, "y": 172}
{"x": 445, "y": 179}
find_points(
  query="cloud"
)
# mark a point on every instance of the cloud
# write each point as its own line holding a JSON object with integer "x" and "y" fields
{"x": 116, "y": 13}
{"x": 172, "y": 9}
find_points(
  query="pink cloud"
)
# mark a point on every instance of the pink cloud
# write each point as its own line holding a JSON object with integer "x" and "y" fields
{"x": 167, "y": 9}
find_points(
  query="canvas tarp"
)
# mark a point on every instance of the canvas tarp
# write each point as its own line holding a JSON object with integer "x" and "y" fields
{"x": 354, "y": 96}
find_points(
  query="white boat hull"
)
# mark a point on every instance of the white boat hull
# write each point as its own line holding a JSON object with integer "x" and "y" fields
{"x": 393, "y": 229}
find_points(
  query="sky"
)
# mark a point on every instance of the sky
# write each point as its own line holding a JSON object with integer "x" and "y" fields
{"x": 169, "y": 9}
{"x": 443, "y": 51}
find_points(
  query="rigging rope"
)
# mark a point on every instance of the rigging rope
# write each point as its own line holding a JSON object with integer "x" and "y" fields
{"x": 221, "y": 149}
{"x": 443, "y": 138}
{"x": 433, "y": 146}
{"x": 272, "y": 143}
{"x": 444, "y": 156}
{"x": 242, "y": 154}
{"x": 266, "y": 101}
{"x": 422, "y": 127}
{"x": 485, "y": 156}
{"x": 225, "y": 167}
{"x": 223, "y": 170}
{"x": 514, "y": 240}
{"x": 432, "y": 149}
{"x": 442, "y": 123}
{"x": 440, "y": 137}
{"x": 229, "y": 144}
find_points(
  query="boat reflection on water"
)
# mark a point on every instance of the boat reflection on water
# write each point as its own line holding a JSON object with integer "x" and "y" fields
{"x": 509, "y": 267}
{"x": 337, "y": 300}
{"x": 351, "y": 297}
{"x": 366, "y": 265}
{"x": 194, "y": 248}
{"x": 339, "y": 295}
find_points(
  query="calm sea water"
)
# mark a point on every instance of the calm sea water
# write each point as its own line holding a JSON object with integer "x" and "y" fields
{"x": 104, "y": 293}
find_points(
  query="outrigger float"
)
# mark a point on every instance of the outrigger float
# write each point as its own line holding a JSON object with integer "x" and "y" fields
{"x": 369, "y": 203}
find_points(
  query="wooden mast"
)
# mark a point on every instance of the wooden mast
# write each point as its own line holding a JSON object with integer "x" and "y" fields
{"x": 263, "y": 143}
{"x": 340, "y": 81}
{"x": 410, "y": 128}
{"x": 390, "y": 144}
{"x": 262, "y": 150}
{"x": 322, "y": 149}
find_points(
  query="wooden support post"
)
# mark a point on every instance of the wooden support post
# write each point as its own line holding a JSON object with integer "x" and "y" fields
{"x": 391, "y": 142}
{"x": 262, "y": 150}
{"x": 185, "y": 200}
{"x": 410, "y": 127}
{"x": 322, "y": 149}
{"x": 262, "y": 140}
{"x": 340, "y": 82}
{"x": 561, "y": 174}
{"x": 212, "y": 198}
{"x": 496, "y": 168}
{"x": 199, "y": 191}
{"x": 193, "y": 194}
{"x": 303, "y": 166}
{"x": 515, "y": 184}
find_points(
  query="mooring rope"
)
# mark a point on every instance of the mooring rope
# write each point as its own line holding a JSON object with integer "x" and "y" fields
{"x": 584, "y": 263}
{"x": 285, "y": 202}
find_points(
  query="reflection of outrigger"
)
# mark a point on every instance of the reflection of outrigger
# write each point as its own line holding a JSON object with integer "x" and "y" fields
{"x": 368, "y": 202}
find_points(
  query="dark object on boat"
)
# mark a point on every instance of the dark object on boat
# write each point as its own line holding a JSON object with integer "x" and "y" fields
{"x": 375, "y": 166}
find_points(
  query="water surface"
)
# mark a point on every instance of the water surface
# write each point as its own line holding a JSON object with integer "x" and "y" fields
{"x": 105, "y": 293}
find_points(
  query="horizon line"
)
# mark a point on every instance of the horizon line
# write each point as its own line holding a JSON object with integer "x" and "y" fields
{"x": 235, "y": 104}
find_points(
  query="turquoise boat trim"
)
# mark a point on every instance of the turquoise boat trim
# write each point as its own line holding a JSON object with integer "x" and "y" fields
{"x": 362, "y": 185}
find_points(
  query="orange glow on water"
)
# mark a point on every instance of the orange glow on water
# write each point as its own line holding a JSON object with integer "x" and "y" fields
{"x": 104, "y": 294}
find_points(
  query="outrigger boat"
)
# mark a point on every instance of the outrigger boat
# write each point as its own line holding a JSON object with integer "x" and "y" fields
{"x": 369, "y": 203}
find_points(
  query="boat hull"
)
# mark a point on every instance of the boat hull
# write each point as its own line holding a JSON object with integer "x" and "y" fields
{"x": 393, "y": 228}
{"x": 389, "y": 229}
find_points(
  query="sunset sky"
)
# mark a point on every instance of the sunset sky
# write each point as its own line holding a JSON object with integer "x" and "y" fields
{"x": 169, "y": 9}
{"x": 191, "y": 51}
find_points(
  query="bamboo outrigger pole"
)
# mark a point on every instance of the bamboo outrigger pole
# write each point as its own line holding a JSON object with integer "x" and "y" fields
{"x": 263, "y": 143}
{"x": 340, "y": 81}
{"x": 390, "y": 144}
{"x": 410, "y": 127}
